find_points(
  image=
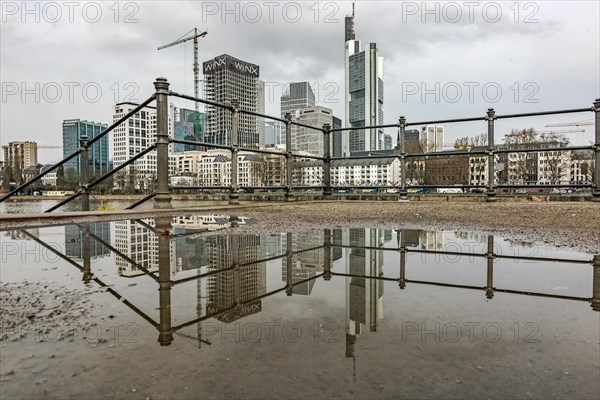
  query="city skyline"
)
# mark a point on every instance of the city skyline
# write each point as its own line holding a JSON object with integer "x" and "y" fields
{"x": 412, "y": 49}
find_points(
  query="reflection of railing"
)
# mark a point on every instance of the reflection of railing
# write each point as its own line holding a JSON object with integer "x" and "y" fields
{"x": 163, "y": 278}
{"x": 162, "y": 197}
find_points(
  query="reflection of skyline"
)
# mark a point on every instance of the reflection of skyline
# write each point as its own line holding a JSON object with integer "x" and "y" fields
{"x": 306, "y": 264}
{"x": 140, "y": 244}
{"x": 241, "y": 283}
{"x": 235, "y": 290}
{"x": 74, "y": 240}
{"x": 364, "y": 297}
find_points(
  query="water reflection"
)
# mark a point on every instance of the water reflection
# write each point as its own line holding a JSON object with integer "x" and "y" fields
{"x": 229, "y": 269}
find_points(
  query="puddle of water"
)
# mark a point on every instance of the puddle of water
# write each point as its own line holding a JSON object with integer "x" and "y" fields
{"x": 181, "y": 307}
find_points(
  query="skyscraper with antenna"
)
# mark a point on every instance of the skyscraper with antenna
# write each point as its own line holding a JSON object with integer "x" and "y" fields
{"x": 364, "y": 93}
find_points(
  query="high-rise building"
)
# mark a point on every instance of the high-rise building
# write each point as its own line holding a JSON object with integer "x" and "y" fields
{"x": 20, "y": 155}
{"x": 311, "y": 140}
{"x": 337, "y": 138}
{"x": 364, "y": 94}
{"x": 184, "y": 128}
{"x": 297, "y": 96}
{"x": 73, "y": 130}
{"x": 227, "y": 78}
{"x": 432, "y": 137}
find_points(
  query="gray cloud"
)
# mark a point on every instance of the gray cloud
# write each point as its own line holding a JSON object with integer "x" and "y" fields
{"x": 558, "y": 55}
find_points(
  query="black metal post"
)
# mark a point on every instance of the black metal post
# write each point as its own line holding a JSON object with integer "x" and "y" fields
{"x": 234, "y": 196}
{"x": 491, "y": 193}
{"x": 327, "y": 161}
{"x": 289, "y": 195}
{"x": 489, "y": 255}
{"x": 84, "y": 173}
{"x": 596, "y": 191}
{"x": 163, "y": 197}
{"x": 402, "y": 127}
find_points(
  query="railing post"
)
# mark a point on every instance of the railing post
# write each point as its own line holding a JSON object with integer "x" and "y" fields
{"x": 234, "y": 196}
{"x": 402, "y": 127}
{"x": 596, "y": 189}
{"x": 84, "y": 173}
{"x": 491, "y": 193}
{"x": 327, "y": 161}
{"x": 289, "y": 195}
{"x": 163, "y": 197}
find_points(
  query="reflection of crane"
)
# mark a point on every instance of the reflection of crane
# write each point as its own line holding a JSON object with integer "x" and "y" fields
{"x": 579, "y": 123}
{"x": 195, "y": 36}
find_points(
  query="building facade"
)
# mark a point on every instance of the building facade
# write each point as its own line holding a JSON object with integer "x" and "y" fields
{"x": 98, "y": 153}
{"x": 297, "y": 96}
{"x": 227, "y": 78}
{"x": 187, "y": 126}
{"x": 432, "y": 137}
{"x": 19, "y": 156}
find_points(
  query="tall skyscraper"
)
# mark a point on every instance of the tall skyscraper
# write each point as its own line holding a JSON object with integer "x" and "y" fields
{"x": 228, "y": 78}
{"x": 73, "y": 130}
{"x": 364, "y": 93}
{"x": 432, "y": 137}
{"x": 296, "y": 96}
{"x": 274, "y": 133}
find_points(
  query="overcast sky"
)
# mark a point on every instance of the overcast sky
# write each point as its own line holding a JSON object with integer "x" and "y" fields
{"x": 62, "y": 60}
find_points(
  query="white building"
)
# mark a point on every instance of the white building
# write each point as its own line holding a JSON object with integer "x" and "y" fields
{"x": 432, "y": 137}
{"x": 135, "y": 135}
{"x": 363, "y": 172}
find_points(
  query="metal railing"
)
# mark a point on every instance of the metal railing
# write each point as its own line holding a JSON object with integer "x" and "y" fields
{"x": 162, "y": 195}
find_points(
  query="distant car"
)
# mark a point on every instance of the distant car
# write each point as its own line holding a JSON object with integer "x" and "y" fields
{"x": 477, "y": 190}
{"x": 418, "y": 190}
{"x": 450, "y": 190}
{"x": 520, "y": 191}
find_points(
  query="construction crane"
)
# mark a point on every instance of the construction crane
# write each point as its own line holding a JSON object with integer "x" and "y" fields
{"x": 48, "y": 146}
{"x": 563, "y": 131}
{"x": 194, "y": 37}
{"x": 587, "y": 122}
